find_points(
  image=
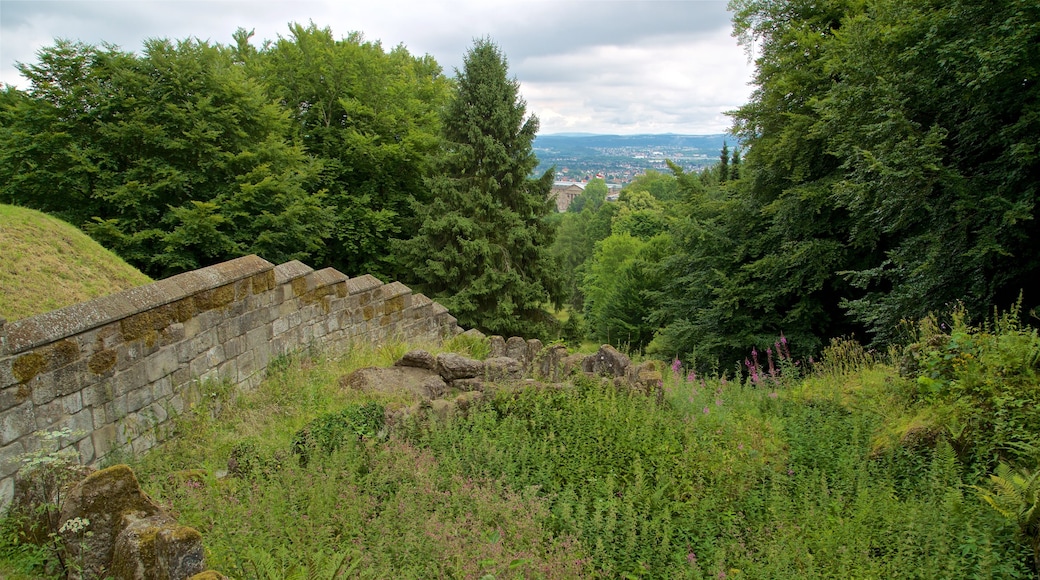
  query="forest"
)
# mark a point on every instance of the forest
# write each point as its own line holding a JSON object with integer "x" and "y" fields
{"x": 886, "y": 167}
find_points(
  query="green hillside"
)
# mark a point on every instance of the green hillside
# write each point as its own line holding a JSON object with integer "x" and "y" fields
{"x": 46, "y": 264}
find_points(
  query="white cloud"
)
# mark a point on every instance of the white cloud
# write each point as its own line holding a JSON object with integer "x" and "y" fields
{"x": 609, "y": 66}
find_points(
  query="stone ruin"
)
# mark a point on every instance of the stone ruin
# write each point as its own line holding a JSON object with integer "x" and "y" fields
{"x": 132, "y": 538}
{"x": 448, "y": 382}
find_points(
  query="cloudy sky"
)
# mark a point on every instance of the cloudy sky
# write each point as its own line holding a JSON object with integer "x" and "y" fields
{"x": 597, "y": 66}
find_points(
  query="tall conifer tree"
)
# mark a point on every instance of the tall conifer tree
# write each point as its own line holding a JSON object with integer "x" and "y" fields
{"x": 483, "y": 248}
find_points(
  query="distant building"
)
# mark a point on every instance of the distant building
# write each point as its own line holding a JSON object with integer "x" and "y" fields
{"x": 564, "y": 192}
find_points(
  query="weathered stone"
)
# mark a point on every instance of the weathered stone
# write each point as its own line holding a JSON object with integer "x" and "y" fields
{"x": 534, "y": 348}
{"x": 498, "y": 346}
{"x": 549, "y": 362}
{"x": 423, "y": 383}
{"x": 474, "y": 334}
{"x": 442, "y": 409}
{"x": 572, "y": 363}
{"x": 419, "y": 359}
{"x": 516, "y": 347}
{"x": 646, "y": 379}
{"x": 468, "y": 384}
{"x": 16, "y": 422}
{"x": 455, "y": 366}
{"x": 607, "y": 362}
{"x": 502, "y": 368}
{"x": 103, "y": 499}
{"x": 156, "y": 548}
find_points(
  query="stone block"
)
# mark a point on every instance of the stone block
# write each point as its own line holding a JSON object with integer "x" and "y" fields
{"x": 129, "y": 379}
{"x": 43, "y": 388}
{"x": 86, "y": 450}
{"x": 172, "y": 334}
{"x": 11, "y": 458}
{"x": 160, "y": 365}
{"x": 80, "y": 424}
{"x": 163, "y": 388}
{"x": 72, "y": 403}
{"x": 179, "y": 377}
{"x": 143, "y": 442}
{"x": 215, "y": 356}
{"x": 246, "y": 366}
{"x": 279, "y": 326}
{"x": 14, "y": 396}
{"x": 139, "y": 398}
{"x": 257, "y": 337}
{"x": 234, "y": 347}
{"x": 70, "y": 378}
{"x": 192, "y": 327}
{"x": 6, "y": 374}
{"x": 204, "y": 341}
{"x": 116, "y": 409}
{"x": 185, "y": 351}
{"x": 98, "y": 393}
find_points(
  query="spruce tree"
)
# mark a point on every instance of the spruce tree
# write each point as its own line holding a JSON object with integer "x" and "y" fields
{"x": 483, "y": 247}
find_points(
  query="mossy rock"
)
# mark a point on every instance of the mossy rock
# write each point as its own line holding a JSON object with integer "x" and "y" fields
{"x": 102, "y": 500}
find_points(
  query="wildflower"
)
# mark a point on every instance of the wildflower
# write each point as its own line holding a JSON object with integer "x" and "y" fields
{"x": 773, "y": 395}
{"x": 691, "y": 559}
{"x": 691, "y": 376}
{"x": 676, "y": 366}
{"x": 718, "y": 402}
{"x": 707, "y": 410}
{"x": 740, "y": 446}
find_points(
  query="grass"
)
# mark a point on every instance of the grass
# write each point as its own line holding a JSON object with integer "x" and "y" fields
{"x": 783, "y": 478}
{"x": 48, "y": 264}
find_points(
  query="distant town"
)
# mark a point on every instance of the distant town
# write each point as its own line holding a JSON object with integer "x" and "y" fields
{"x": 618, "y": 159}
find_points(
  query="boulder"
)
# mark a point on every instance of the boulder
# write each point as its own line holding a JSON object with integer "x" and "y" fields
{"x": 549, "y": 363}
{"x": 606, "y": 362}
{"x": 572, "y": 363}
{"x": 455, "y": 366}
{"x": 502, "y": 368}
{"x": 419, "y": 359}
{"x": 646, "y": 379}
{"x": 498, "y": 346}
{"x": 516, "y": 347}
{"x": 423, "y": 383}
{"x": 156, "y": 548}
{"x": 534, "y": 348}
{"x": 475, "y": 334}
{"x": 467, "y": 385}
{"x": 99, "y": 504}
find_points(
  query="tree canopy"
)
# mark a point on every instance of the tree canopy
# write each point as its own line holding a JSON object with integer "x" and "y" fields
{"x": 483, "y": 246}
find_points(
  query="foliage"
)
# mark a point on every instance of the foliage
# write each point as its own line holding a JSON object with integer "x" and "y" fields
{"x": 483, "y": 247}
{"x": 329, "y": 432}
{"x": 371, "y": 117}
{"x": 175, "y": 158}
{"x": 1015, "y": 494}
{"x": 983, "y": 382}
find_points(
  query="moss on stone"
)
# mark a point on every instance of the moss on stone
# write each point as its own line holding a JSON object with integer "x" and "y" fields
{"x": 27, "y": 366}
{"x": 102, "y": 362}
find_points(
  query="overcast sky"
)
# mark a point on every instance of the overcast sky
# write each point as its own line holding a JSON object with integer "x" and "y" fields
{"x": 597, "y": 66}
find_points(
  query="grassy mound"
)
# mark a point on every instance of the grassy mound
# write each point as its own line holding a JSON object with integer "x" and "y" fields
{"x": 47, "y": 264}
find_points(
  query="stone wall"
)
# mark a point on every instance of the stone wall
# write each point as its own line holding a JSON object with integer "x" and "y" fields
{"x": 116, "y": 370}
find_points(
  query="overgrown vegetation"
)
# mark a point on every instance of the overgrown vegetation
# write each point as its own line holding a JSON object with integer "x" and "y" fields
{"x": 852, "y": 467}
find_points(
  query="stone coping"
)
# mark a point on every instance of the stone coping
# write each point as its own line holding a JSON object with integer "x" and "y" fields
{"x": 48, "y": 327}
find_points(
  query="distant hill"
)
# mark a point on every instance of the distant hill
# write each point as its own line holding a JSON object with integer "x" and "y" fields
{"x": 46, "y": 264}
{"x": 619, "y": 158}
